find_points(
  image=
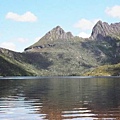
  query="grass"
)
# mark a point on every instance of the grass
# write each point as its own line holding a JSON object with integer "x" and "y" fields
{"x": 106, "y": 70}
{"x": 8, "y": 68}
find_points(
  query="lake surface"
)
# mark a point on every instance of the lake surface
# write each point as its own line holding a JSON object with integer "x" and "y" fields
{"x": 60, "y": 98}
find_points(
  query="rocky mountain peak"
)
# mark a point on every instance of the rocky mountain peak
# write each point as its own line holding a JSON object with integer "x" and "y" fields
{"x": 99, "y": 22}
{"x": 58, "y": 28}
{"x": 103, "y": 29}
{"x": 57, "y": 33}
{"x": 100, "y": 30}
{"x": 48, "y": 39}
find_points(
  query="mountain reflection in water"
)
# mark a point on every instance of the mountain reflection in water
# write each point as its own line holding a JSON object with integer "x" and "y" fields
{"x": 60, "y": 98}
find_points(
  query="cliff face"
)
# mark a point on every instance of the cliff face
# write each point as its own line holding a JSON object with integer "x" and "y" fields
{"x": 57, "y": 33}
{"x": 103, "y": 29}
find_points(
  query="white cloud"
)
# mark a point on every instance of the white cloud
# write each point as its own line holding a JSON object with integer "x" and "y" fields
{"x": 22, "y": 40}
{"x": 85, "y": 24}
{"x": 26, "y": 17}
{"x": 8, "y": 45}
{"x": 113, "y": 11}
{"x": 84, "y": 35}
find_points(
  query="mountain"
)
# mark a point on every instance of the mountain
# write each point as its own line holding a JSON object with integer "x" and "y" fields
{"x": 65, "y": 51}
{"x": 11, "y": 64}
{"x": 55, "y": 34}
{"x": 102, "y": 29}
{"x": 59, "y": 53}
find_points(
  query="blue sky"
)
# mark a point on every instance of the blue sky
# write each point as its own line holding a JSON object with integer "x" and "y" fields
{"x": 23, "y": 22}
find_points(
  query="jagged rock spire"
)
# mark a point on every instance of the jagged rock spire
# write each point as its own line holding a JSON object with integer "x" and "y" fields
{"x": 103, "y": 29}
{"x": 100, "y": 30}
{"x": 57, "y": 33}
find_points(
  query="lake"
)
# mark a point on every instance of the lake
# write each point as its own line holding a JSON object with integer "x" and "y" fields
{"x": 60, "y": 98}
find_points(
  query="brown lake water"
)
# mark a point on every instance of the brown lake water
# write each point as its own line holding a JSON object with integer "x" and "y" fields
{"x": 71, "y": 98}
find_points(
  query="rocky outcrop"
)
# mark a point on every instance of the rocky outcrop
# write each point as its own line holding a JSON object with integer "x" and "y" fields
{"x": 57, "y": 33}
{"x": 47, "y": 40}
{"x": 103, "y": 29}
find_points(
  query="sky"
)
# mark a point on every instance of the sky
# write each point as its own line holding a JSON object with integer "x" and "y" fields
{"x": 24, "y": 22}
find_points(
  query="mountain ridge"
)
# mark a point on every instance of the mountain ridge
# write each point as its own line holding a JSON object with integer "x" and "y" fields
{"x": 59, "y": 53}
{"x": 103, "y": 29}
{"x": 56, "y": 33}
{"x": 100, "y": 31}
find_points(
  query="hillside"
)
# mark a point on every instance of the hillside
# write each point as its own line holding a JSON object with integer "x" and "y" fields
{"x": 106, "y": 70}
{"x": 69, "y": 54}
{"x": 59, "y": 53}
{"x": 12, "y": 64}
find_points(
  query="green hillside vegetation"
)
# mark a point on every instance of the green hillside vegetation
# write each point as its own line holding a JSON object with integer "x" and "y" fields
{"x": 12, "y": 68}
{"x": 12, "y": 64}
{"x": 76, "y": 56}
{"x": 66, "y": 58}
{"x": 106, "y": 70}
